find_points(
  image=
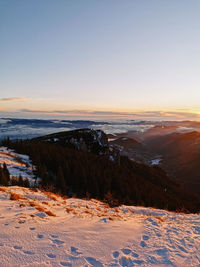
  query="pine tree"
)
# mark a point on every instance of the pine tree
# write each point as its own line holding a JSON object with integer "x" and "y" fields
{"x": 20, "y": 181}
{"x": 6, "y": 171}
{"x": 3, "y": 177}
{"x": 26, "y": 183}
{"x": 61, "y": 181}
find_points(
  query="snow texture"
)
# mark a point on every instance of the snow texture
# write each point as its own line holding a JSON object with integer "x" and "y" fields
{"x": 156, "y": 161}
{"x": 43, "y": 229}
{"x": 18, "y": 164}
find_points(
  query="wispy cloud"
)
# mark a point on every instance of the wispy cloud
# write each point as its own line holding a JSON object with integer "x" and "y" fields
{"x": 140, "y": 115}
{"x": 33, "y": 111}
{"x": 13, "y": 99}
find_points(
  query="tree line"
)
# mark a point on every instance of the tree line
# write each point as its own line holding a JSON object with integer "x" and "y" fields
{"x": 86, "y": 175}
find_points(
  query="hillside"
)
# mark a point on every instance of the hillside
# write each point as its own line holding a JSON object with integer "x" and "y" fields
{"x": 181, "y": 156}
{"x": 43, "y": 229}
{"x": 87, "y": 175}
{"x": 133, "y": 149}
{"x": 88, "y": 140}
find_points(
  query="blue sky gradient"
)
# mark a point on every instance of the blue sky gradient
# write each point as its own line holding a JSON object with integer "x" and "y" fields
{"x": 107, "y": 56}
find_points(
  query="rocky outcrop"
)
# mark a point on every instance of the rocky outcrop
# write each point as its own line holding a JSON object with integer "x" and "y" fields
{"x": 88, "y": 140}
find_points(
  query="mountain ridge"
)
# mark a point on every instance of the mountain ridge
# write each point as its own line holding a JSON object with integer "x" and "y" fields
{"x": 75, "y": 172}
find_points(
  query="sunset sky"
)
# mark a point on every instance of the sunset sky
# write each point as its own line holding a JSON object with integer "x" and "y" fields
{"x": 137, "y": 58}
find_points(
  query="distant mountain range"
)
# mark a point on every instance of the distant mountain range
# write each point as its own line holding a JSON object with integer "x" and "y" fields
{"x": 178, "y": 152}
{"x": 174, "y": 146}
{"x": 180, "y": 157}
{"x": 82, "y": 163}
{"x": 29, "y": 128}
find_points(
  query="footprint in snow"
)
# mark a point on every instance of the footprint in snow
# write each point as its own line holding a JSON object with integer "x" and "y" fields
{"x": 57, "y": 241}
{"x": 28, "y": 252}
{"x": 65, "y": 263}
{"x": 152, "y": 222}
{"x": 161, "y": 251}
{"x": 93, "y": 262}
{"x": 41, "y": 214}
{"x": 145, "y": 237}
{"x": 115, "y": 254}
{"x": 143, "y": 244}
{"x": 54, "y": 236}
{"x": 40, "y": 236}
{"x": 105, "y": 220}
{"x": 139, "y": 262}
{"x": 74, "y": 251}
{"x": 124, "y": 261}
{"x": 196, "y": 229}
{"x": 51, "y": 256}
{"x": 135, "y": 255}
{"x": 17, "y": 247}
{"x": 126, "y": 251}
{"x": 182, "y": 249}
{"x": 180, "y": 255}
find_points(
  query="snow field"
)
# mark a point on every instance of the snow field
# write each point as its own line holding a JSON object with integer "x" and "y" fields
{"x": 17, "y": 164}
{"x": 89, "y": 233}
{"x": 41, "y": 229}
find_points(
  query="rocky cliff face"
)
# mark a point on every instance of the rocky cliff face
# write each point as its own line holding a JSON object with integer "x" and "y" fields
{"x": 88, "y": 140}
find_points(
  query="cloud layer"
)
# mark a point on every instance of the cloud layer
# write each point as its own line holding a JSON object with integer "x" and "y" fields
{"x": 141, "y": 115}
{"x": 13, "y": 99}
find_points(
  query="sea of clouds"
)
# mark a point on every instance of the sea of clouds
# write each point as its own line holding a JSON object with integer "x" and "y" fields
{"x": 28, "y": 128}
{"x": 17, "y": 128}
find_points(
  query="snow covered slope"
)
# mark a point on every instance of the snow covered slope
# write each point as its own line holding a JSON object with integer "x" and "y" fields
{"x": 17, "y": 164}
{"x": 43, "y": 229}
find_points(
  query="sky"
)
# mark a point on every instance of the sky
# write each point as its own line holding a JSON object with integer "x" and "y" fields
{"x": 108, "y": 58}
